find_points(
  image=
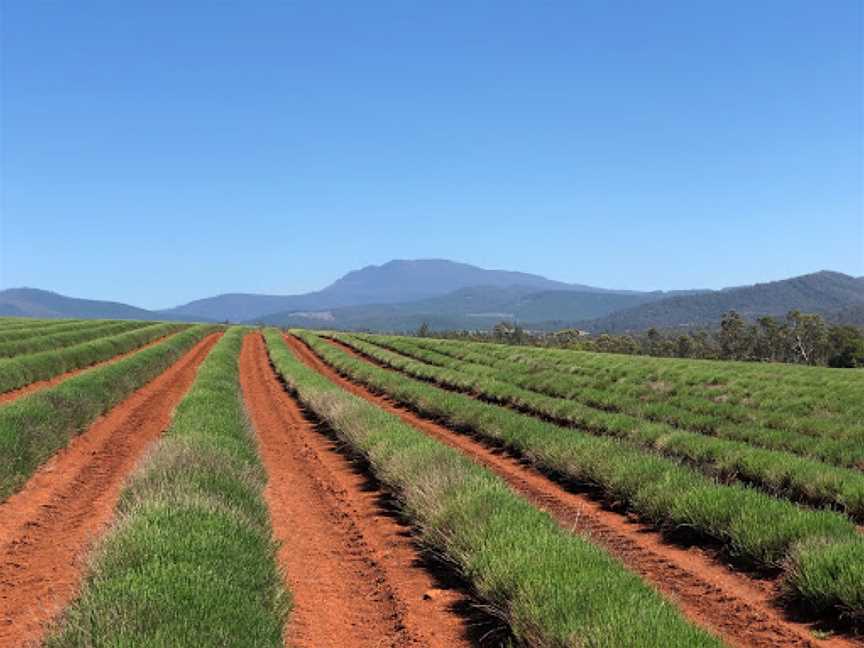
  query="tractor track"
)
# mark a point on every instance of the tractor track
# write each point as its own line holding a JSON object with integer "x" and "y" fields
{"x": 743, "y": 611}
{"x": 49, "y": 525}
{"x": 356, "y": 575}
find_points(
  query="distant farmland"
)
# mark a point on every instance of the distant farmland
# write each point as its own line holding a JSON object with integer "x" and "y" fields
{"x": 168, "y": 484}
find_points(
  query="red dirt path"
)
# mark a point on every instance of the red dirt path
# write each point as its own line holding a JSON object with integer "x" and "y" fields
{"x": 352, "y": 567}
{"x": 14, "y": 394}
{"x": 48, "y": 526}
{"x": 737, "y": 608}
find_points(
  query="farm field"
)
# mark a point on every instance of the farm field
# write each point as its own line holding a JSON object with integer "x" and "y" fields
{"x": 207, "y": 485}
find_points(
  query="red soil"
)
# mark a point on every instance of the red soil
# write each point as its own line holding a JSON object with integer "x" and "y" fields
{"x": 741, "y": 610}
{"x": 50, "y": 524}
{"x": 5, "y": 397}
{"x": 352, "y": 568}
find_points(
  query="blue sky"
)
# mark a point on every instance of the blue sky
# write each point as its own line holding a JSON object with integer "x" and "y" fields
{"x": 159, "y": 152}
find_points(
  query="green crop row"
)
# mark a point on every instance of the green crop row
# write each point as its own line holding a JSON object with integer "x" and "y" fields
{"x": 23, "y": 370}
{"x": 10, "y": 323}
{"x": 708, "y": 394}
{"x": 10, "y": 333}
{"x": 779, "y": 473}
{"x": 189, "y": 560}
{"x": 54, "y": 341}
{"x": 33, "y": 427}
{"x": 820, "y": 552}
{"x": 20, "y": 322}
{"x": 682, "y": 409}
{"x": 541, "y": 579}
{"x": 770, "y": 392}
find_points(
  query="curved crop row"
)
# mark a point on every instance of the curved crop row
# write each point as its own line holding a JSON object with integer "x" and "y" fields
{"x": 706, "y": 394}
{"x": 10, "y": 322}
{"x": 10, "y": 333}
{"x": 701, "y": 415}
{"x": 539, "y": 578}
{"x": 729, "y": 373}
{"x": 23, "y": 370}
{"x": 33, "y": 427}
{"x": 20, "y": 322}
{"x": 751, "y": 389}
{"x": 771, "y": 392}
{"x": 753, "y": 527}
{"x": 191, "y": 546}
{"x": 54, "y": 341}
{"x": 779, "y": 473}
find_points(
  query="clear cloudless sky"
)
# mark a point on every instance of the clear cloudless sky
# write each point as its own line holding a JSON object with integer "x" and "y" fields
{"x": 158, "y": 152}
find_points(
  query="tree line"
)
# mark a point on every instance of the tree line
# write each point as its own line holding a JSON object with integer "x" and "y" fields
{"x": 800, "y": 338}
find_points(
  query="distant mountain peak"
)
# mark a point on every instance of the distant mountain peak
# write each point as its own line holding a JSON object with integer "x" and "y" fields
{"x": 406, "y": 292}
{"x": 396, "y": 281}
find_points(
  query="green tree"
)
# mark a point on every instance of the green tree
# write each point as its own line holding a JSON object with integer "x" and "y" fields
{"x": 733, "y": 338}
{"x": 770, "y": 340}
{"x": 605, "y": 342}
{"x": 653, "y": 342}
{"x": 847, "y": 347}
{"x": 684, "y": 346}
{"x": 626, "y": 344}
{"x": 808, "y": 336}
{"x": 703, "y": 346}
{"x": 566, "y": 337}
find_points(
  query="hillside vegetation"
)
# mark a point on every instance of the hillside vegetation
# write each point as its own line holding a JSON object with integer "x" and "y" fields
{"x": 827, "y": 293}
{"x": 400, "y": 296}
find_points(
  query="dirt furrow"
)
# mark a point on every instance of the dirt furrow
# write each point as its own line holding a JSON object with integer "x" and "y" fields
{"x": 355, "y": 574}
{"x": 15, "y": 394}
{"x": 738, "y": 608}
{"x": 49, "y": 525}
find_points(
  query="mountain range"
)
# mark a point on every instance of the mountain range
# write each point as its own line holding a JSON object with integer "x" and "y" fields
{"x": 831, "y": 294}
{"x": 32, "y": 302}
{"x": 400, "y": 295}
{"x": 392, "y": 282}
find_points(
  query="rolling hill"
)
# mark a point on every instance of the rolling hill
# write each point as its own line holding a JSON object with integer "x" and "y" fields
{"x": 401, "y": 295}
{"x": 825, "y": 292}
{"x": 32, "y": 302}
{"x": 477, "y": 307}
{"x": 397, "y": 281}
